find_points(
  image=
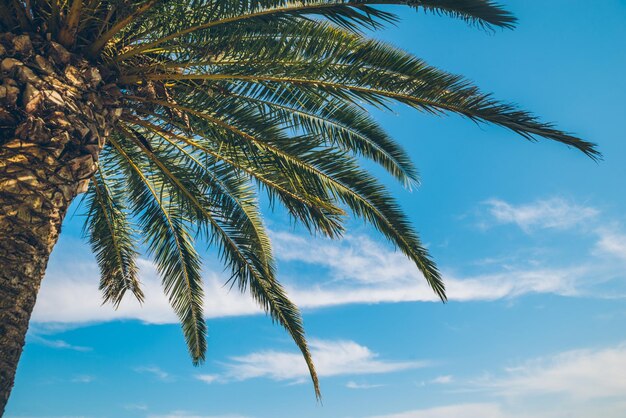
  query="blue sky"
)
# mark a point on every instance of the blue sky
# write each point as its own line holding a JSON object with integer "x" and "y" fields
{"x": 531, "y": 239}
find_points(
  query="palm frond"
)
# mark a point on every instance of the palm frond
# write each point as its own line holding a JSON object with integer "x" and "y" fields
{"x": 112, "y": 238}
{"x": 329, "y": 173}
{"x": 166, "y": 232}
{"x": 244, "y": 245}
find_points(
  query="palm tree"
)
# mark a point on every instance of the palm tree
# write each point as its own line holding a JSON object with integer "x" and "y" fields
{"x": 171, "y": 116}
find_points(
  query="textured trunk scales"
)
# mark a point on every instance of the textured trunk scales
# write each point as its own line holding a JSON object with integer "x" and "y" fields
{"x": 55, "y": 113}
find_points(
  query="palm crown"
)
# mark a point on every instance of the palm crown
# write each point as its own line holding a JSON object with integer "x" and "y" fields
{"x": 222, "y": 100}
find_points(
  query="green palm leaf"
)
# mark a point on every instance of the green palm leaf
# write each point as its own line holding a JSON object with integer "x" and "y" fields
{"x": 112, "y": 238}
{"x": 166, "y": 232}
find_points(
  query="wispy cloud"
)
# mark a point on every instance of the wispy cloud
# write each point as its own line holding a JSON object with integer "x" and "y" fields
{"x": 356, "y": 270}
{"x": 332, "y": 358}
{"x": 60, "y": 344}
{"x": 556, "y": 213}
{"x": 355, "y": 385}
{"x": 473, "y": 410}
{"x": 136, "y": 407}
{"x": 361, "y": 270}
{"x": 443, "y": 380}
{"x": 357, "y": 258}
{"x": 75, "y": 298}
{"x": 208, "y": 378}
{"x": 155, "y": 371}
{"x": 51, "y": 416}
{"x": 186, "y": 414}
{"x": 611, "y": 243}
{"x": 572, "y": 384}
{"x": 579, "y": 374}
{"x": 83, "y": 378}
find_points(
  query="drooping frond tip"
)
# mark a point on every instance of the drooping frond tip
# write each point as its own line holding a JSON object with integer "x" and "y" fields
{"x": 112, "y": 240}
{"x": 483, "y": 13}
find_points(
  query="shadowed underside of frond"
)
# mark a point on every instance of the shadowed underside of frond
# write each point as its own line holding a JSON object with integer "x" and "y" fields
{"x": 225, "y": 99}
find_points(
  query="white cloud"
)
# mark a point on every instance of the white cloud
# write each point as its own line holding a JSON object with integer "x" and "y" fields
{"x": 186, "y": 414}
{"x": 355, "y": 385}
{"x": 505, "y": 410}
{"x": 153, "y": 370}
{"x": 485, "y": 287}
{"x": 473, "y": 410}
{"x": 611, "y": 243}
{"x": 49, "y": 416}
{"x": 443, "y": 380}
{"x": 83, "y": 378}
{"x": 550, "y": 213}
{"x": 579, "y": 374}
{"x": 208, "y": 378}
{"x": 136, "y": 407}
{"x": 572, "y": 384}
{"x": 355, "y": 270}
{"x": 356, "y": 258}
{"x": 358, "y": 270}
{"x": 72, "y": 295}
{"x": 331, "y": 358}
{"x": 363, "y": 271}
{"x": 60, "y": 344}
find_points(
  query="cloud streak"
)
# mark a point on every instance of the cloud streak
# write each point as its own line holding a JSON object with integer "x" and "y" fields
{"x": 611, "y": 243}
{"x": 356, "y": 270}
{"x": 59, "y": 344}
{"x": 67, "y": 298}
{"x": 571, "y": 384}
{"x": 154, "y": 371}
{"x": 331, "y": 358}
{"x": 83, "y": 378}
{"x": 473, "y": 410}
{"x": 186, "y": 414}
{"x": 553, "y": 213}
{"x": 579, "y": 374}
{"x": 355, "y": 385}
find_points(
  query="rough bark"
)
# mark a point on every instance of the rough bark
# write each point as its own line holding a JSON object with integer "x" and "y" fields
{"x": 55, "y": 113}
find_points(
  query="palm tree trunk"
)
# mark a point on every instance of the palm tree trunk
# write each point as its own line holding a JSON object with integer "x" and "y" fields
{"x": 32, "y": 211}
{"x": 54, "y": 117}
